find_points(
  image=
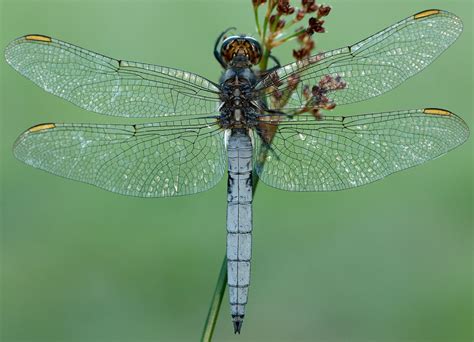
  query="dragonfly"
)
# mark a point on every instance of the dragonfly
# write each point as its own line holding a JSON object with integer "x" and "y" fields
{"x": 250, "y": 124}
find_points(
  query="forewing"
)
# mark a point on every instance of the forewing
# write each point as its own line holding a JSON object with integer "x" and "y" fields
{"x": 337, "y": 153}
{"x": 374, "y": 65}
{"x": 109, "y": 86}
{"x": 150, "y": 160}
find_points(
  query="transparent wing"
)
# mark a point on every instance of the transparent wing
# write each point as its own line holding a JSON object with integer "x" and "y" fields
{"x": 108, "y": 86}
{"x": 337, "y": 153}
{"x": 374, "y": 65}
{"x": 151, "y": 160}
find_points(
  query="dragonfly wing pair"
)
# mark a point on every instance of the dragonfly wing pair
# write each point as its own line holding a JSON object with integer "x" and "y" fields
{"x": 337, "y": 153}
{"x": 169, "y": 158}
{"x": 179, "y": 156}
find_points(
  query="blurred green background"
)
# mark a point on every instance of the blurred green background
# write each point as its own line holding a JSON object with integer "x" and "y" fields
{"x": 391, "y": 261}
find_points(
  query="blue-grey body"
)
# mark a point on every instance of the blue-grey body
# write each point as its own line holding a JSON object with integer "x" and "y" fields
{"x": 239, "y": 222}
{"x": 238, "y": 117}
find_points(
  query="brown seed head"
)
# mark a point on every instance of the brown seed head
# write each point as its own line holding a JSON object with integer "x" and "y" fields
{"x": 284, "y": 7}
{"x": 315, "y": 25}
{"x": 323, "y": 10}
{"x": 300, "y": 15}
{"x": 275, "y": 79}
{"x": 316, "y": 113}
{"x": 309, "y": 6}
{"x": 319, "y": 98}
{"x": 293, "y": 81}
{"x": 257, "y": 3}
{"x": 306, "y": 92}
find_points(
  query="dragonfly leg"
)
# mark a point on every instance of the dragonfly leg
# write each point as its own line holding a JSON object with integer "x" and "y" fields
{"x": 277, "y": 62}
{"x": 273, "y": 68}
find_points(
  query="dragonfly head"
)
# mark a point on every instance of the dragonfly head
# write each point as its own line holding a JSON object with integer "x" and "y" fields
{"x": 241, "y": 50}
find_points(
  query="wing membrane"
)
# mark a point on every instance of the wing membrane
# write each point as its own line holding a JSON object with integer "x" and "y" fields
{"x": 338, "y": 153}
{"x": 109, "y": 86}
{"x": 374, "y": 65}
{"x": 172, "y": 158}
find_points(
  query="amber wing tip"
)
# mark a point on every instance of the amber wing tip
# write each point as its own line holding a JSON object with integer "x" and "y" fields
{"x": 427, "y": 13}
{"x": 38, "y": 38}
{"x": 41, "y": 127}
{"x": 437, "y": 111}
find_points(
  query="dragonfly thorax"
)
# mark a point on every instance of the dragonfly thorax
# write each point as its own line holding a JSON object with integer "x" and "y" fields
{"x": 237, "y": 108}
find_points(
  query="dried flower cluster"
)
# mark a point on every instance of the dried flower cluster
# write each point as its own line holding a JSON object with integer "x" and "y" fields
{"x": 317, "y": 99}
{"x": 281, "y": 16}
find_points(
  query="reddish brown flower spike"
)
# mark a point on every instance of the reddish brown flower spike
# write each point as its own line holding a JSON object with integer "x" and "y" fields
{"x": 257, "y": 3}
{"x": 306, "y": 92}
{"x": 324, "y": 10}
{"x": 281, "y": 22}
{"x": 316, "y": 113}
{"x": 284, "y": 7}
{"x": 307, "y": 45}
{"x": 277, "y": 94}
{"x": 315, "y": 25}
{"x": 316, "y": 91}
{"x": 298, "y": 54}
{"x": 309, "y": 6}
{"x": 272, "y": 19}
{"x": 300, "y": 15}
{"x": 318, "y": 96}
{"x": 302, "y": 37}
{"x": 275, "y": 79}
{"x": 293, "y": 81}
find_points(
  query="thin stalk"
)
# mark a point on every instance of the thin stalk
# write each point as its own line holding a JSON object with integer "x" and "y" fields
{"x": 291, "y": 23}
{"x": 255, "y": 183}
{"x": 270, "y": 7}
{"x": 215, "y": 306}
{"x": 274, "y": 26}
{"x": 257, "y": 22}
{"x": 264, "y": 62}
{"x": 287, "y": 38}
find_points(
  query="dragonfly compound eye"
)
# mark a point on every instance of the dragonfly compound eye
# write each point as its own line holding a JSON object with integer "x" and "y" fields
{"x": 241, "y": 46}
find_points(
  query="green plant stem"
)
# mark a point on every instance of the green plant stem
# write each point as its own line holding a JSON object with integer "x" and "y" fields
{"x": 256, "y": 179}
{"x": 289, "y": 37}
{"x": 291, "y": 23}
{"x": 274, "y": 26}
{"x": 215, "y": 306}
{"x": 264, "y": 62}
{"x": 257, "y": 22}
{"x": 267, "y": 17}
